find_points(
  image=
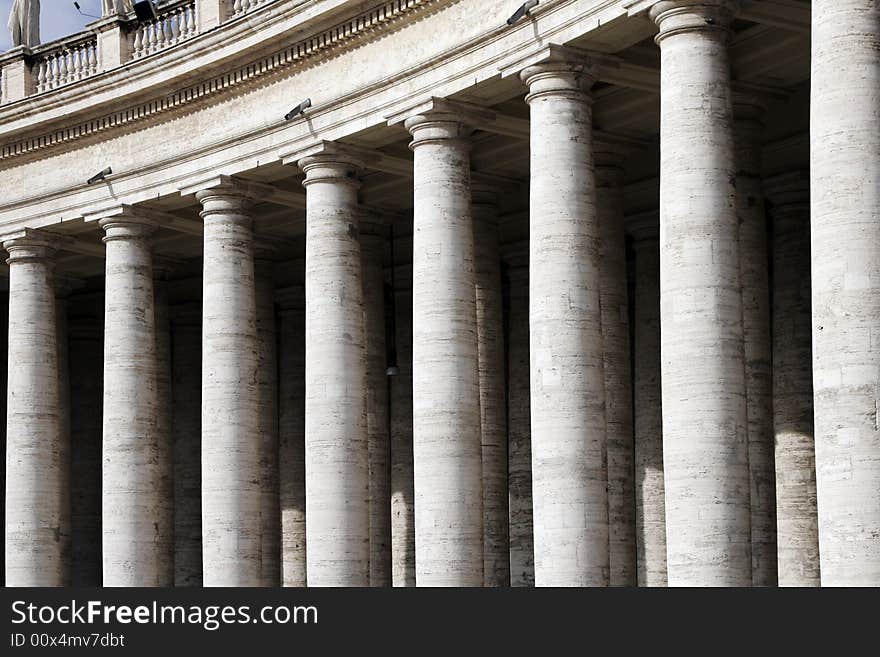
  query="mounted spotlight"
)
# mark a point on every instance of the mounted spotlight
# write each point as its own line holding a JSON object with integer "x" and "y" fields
{"x": 99, "y": 176}
{"x": 79, "y": 9}
{"x": 299, "y": 109}
{"x": 522, "y": 11}
{"x": 145, "y": 10}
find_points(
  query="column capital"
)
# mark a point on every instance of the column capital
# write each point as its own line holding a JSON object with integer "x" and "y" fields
{"x": 225, "y": 195}
{"x": 327, "y": 161}
{"x": 559, "y": 71}
{"x": 30, "y": 245}
{"x": 439, "y": 119}
{"x": 127, "y": 224}
{"x": 788, "y": 190}
{"x": 681, "y": 16}
{"x": 644, "y": 228}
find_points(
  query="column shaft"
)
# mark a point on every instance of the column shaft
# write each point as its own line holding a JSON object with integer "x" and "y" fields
{"x": 373, "y": 257}
{"x": 617, "y": 367}
{"x": 231, "y": 447}
{"x": 648, "y": 413}
{"x": 753, "y": 261}
{"x": 705, "y": 449}
{"x": 291, "y": 435}
{"x": 522, "y": 546}
{"x": 270, "y": 506}
{"x": 36, "y": 501}
{"x": 493, "y": 410}
{"x": 403, "y": 531}
{"x": 187, "y": 433}
{"x": 845, "y": 188}
{"x": 337, "y": 453}
{"x": 569, "y": 468}
{"x": 796, "y": 515}
{"x": 135, "y": 551}
{"x": 164, "y": 420}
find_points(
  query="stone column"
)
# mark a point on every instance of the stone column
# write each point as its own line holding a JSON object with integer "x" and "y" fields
{"x": 36, "y": 500}
{"x": 187, "y": 433}
{"x": 4, "y": 368}
{"x": 403, "y": 530}
{"x": 705, "y": 448}
{"x": 845, "y": 182}
{"x": 164, "y": 418}
{"x": 372, "y": 265}
{"x": 648, "y": 408}
{"x": 569, "y": 470}
{"x": 797, "y": 523}
{"x": 753, "y": 257}
{"x": 86, "y": 370}
{"x": 231, "y": 447}
{"x": 337, "y": 453}
{"x": 291, "y": 433}
{"x": 522, "y": 546}
{"x": 617, "y": 363}
{"x": 493, "y": 401}
{"x": 267, "y": 377}
{"x": 63, "y": 288}
{"x": 446, "y": 387}
{"x": 135, "y": 551}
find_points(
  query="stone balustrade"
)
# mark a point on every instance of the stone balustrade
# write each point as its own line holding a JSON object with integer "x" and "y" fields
{"x": 66, "y": 62}
{"x": 175, "y": 23}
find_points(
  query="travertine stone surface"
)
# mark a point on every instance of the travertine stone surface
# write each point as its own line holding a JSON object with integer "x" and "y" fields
{"x": 617, "y": 365}
{"x": 648, "y": 408}
{"x": 753, "y": 261}
{"x": 446, "y": 388}
{"x": 291, "y": 433}
{"x": 267, "y": 380}
{"x": 164, "y": 418}
{"x": 337, "y": 454}
{"x": 797, "y": 523}
{"x": 372, "y": 264}
{"x": 231, "y": 448}
{"x": 4, "y": 355}
{"x": 403, "y": 530}
{"x": 86, "y": 370}
{"x": 522, "y": 549}
{"x": 569, "y": 470}
{"x": 845, "y": 182}
{"x": 493, "y": 411}
{"x": 62, "y": 290}
{"x": 705, "y": 449}
{"x": 187, "y": 432}
{"x": 135, "y": 551}
{"x": 36, "y": 502}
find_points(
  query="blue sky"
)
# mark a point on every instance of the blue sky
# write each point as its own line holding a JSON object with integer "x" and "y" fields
{"x": 58, "y": 18}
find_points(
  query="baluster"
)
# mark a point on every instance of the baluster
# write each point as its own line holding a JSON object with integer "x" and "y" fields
{"x": 74, "y": 64}
{"x": 41, "y": 75}
{"x": 236, "y": 6}
{"x": 189, "y": 21}
{"x": 62, "y": 69}
{"x": 176, "y": 20}
{"x": 153, "y": 37}
{"x": 138, "y": 43}
{"x": 93, "y": 59}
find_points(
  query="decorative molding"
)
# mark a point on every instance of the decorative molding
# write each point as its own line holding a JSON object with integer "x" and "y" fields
{"x": 346, "y": 33}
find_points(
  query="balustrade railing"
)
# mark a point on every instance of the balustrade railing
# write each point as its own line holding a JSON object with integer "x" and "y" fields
{"x": 176, "y": 22}
{"x": 66, "y": 63}
{"x": 241, "y": 6}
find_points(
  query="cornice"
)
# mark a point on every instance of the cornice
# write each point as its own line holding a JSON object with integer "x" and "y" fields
{"x": 348, "y": 33}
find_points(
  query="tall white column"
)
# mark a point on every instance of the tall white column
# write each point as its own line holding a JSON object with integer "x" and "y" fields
{"x": 291, "y": 432}
{"x": 403, "y": 531}
{"x": 845, "y": 188}
{"x": 797, "y": 522}
{"x": 569, "y": 469}
{"x": 86, "y": 369}
{"x": 36, "y": 501}
{"x": 753, "y": 260}
{"x": 63, "y": 288}
{"x": 337, "y": 453}
{"x": 705, "y": 448}
{"x": 164, "y": 419}
{"x": 446, "y": 387}
{"x": 270, "y": 506}
{"x": 372, "y": 231}
{"x": 614, "y": 301}
{"x": 522, "y": 546}
{"x": 135, "y": 551}
{"x": 648, "y": 408}
{"x": 187, "y": 432}
{"x": 493, "y": 410}
{"x": 231, "y": 439}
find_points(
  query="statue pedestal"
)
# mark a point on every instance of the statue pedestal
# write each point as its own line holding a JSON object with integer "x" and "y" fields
{"x": 17, "y": 78}
{"x": 114, "y": 46}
